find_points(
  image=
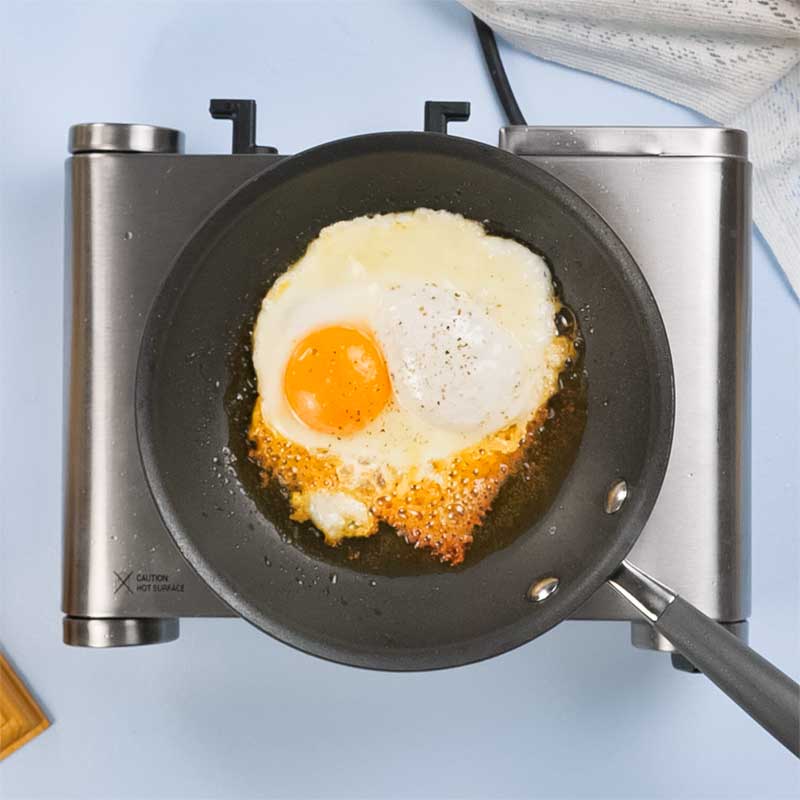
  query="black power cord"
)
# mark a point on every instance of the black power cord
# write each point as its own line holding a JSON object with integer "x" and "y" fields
{"x": 497, "y": 73}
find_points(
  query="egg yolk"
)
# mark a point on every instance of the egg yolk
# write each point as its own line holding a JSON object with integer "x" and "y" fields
{"x": 336, "y": 380}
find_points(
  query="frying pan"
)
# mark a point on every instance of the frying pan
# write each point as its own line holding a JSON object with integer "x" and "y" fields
{"x": 195, "y": 347}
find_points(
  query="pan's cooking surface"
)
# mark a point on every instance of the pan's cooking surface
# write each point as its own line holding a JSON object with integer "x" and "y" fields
{"x": 524, "y": 499}
{"x": 423, "y": 620}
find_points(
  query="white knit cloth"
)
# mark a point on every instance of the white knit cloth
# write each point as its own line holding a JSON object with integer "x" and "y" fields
{"x": 736, "y": 61}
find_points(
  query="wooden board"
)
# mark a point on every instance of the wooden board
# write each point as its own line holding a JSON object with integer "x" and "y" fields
{"x": 20, "y": 717}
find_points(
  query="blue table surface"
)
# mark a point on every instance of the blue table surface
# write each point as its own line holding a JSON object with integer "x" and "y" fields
{"x": 225, "y": 711}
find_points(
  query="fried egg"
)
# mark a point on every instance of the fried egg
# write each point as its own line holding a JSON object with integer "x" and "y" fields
{"x": 402, "y": 364}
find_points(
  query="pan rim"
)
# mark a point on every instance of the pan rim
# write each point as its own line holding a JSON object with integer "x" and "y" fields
{"x": 563, "y": 604}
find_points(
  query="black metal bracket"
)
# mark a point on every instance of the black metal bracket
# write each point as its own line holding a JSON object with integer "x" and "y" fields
{"x": 242, "y": 113}
{"x": 682, "y": 664}
{"x": 439, "y": 112}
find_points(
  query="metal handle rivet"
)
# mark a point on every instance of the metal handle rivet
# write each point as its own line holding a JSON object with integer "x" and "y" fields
{"x": 617, "y": 495}
{"x": 542, "y": 589}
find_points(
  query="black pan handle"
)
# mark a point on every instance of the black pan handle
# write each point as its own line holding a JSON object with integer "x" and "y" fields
{"x": 771, "y": 698}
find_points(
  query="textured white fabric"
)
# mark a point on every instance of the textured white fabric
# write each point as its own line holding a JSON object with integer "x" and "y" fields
{"x": 736, "y": 61}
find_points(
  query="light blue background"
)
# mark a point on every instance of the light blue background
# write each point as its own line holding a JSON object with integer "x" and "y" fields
{"x": 225, "y": 711}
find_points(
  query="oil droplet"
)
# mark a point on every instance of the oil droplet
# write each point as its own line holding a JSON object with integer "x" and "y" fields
{"x": 565, "y": 321}
{"x": 128, "y": 236}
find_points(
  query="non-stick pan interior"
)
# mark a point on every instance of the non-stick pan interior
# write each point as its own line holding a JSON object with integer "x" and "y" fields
{"x": 347, "y": 614}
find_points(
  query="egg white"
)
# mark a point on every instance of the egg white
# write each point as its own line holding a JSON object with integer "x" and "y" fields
{"x": 422, "y": 282}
